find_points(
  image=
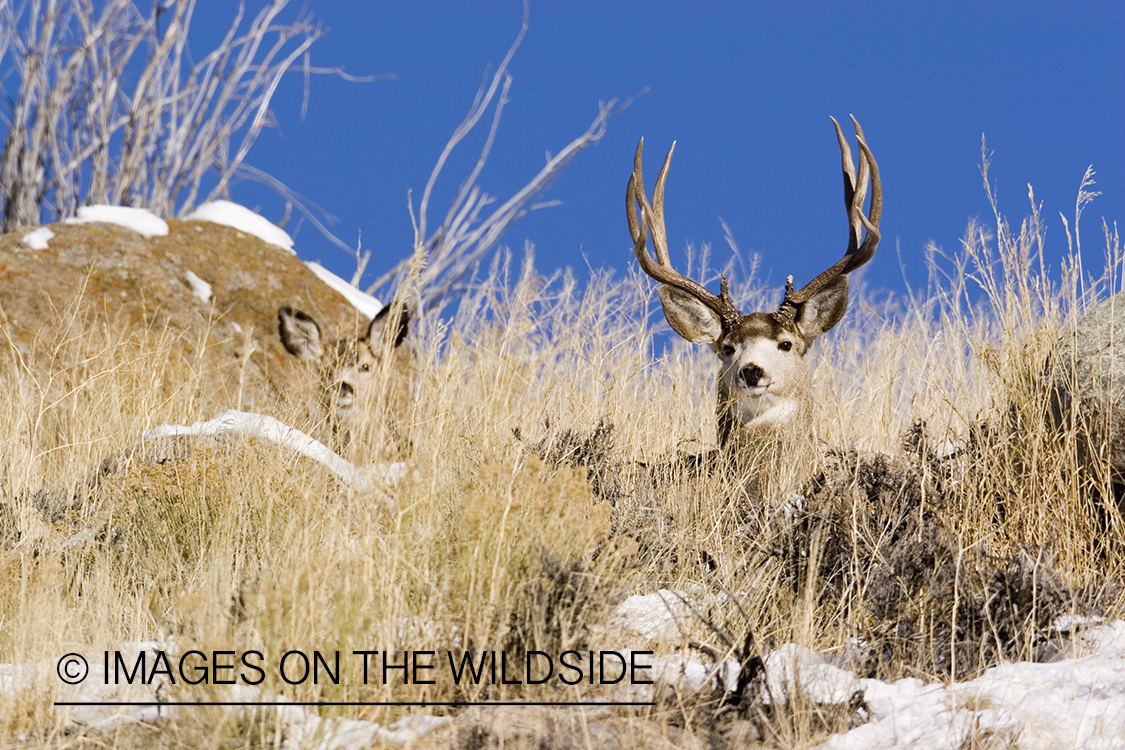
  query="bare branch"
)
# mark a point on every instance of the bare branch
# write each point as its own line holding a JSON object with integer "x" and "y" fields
{"x": 82, "y": 132}
{"x": 443, "y": 262}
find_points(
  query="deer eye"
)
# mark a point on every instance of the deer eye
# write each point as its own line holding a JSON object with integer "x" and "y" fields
{"x": 728, "y": 350}
{"x": 365, "y": 367}
{"x": 785, "y": 346}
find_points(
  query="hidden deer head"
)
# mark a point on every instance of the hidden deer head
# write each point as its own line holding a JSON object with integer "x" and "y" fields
{"x": 363, "y": 375}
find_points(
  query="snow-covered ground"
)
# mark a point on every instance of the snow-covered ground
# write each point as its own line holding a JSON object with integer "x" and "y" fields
{"x": 1074, "y": 702}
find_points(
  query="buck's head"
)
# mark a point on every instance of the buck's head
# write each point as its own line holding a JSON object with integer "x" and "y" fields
{"x": 763, "y": 378}
{"x": 353, "y": 371}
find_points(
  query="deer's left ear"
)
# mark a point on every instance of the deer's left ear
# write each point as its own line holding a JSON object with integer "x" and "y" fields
{"x": 300, "y": 334}
{"x": 823, "y": 310}
{"x": 386, "y": 327}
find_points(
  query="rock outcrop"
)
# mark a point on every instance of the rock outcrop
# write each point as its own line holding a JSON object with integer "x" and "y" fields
{"x": 95, "y": 278}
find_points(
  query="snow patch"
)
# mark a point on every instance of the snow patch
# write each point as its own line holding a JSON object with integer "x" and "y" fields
{"x": 1072, "y": 702}
{"x": 1069, "y": 703}
{"x": 140, "y": 220}
{"x": 390, "y": 474}
{"x": 659, "y": 616}
{"x": 362, "y": 301}
{"x": 242, "y": 423}
{"x": 794, "y": 669}
{"x": 688, "y": 673}
{"x": 241, "y": 218}
{"x": 1075, "y": 702}
{"x": 38, "y": 239}
{"x": 199, "y": 287}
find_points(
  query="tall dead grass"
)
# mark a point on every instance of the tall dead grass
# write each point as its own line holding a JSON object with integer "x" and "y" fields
{"x": 238, "y": 545}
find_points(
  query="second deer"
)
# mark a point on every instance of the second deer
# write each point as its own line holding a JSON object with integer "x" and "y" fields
{"x": 365, "y": 381}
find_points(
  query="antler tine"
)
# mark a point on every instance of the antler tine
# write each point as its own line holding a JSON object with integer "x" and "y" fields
{"x": 855, "y": 190}
{"x": 652, "y": 215}
{"x": 637, "y": 228}
{"x": 867, "y": 250}
{"x": 849, "y": 183}
{"x": 855, "y": 194}
{"x": 659, "y": 235}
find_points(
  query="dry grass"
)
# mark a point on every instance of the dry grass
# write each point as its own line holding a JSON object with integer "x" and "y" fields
{"x": 501, "y": 543}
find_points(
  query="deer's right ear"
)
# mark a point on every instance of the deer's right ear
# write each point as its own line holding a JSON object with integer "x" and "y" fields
{"x": 300, "y": 334}
{"x": 689, "y": 317}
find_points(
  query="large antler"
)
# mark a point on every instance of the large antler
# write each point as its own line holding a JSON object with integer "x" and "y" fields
{"x": 855, "y": 192}
{"x": 661, "y": 268}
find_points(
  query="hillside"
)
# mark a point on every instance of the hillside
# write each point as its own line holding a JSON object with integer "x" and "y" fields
{"x": 559, "y": 498}
{"x": 97, "y": 277}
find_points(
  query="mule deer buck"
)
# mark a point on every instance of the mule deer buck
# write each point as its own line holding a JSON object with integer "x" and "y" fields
{"x": 365, "y": 380}
{"x": 765, "y": 401}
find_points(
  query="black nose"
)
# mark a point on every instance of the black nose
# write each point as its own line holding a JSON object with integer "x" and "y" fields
{"x": 346, "y": 389}
{"x": 751, "y": 375}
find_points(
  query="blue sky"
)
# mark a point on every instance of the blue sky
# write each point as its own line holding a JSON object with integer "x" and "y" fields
{"x": 745, "y": 88}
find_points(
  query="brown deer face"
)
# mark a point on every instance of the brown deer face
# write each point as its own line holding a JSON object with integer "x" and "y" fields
{"x": 352, "y": 370}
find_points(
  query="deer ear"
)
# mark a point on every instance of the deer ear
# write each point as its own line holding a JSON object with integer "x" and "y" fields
{"x": 384, "y": 329}
{"x": 824, "y": 309}
{"x": 300, "y": 334}
{"x": 689, "y": 317}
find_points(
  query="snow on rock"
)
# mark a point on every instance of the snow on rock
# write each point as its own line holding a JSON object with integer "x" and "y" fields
{"x": 199, "y": 287}
{"x": 242, "y": 423}
{"x": 38, "y": 239}
{"x": 140, "y": 220}
{"x": 659, "y": 616}
{"x": 243, "y": 219}
{"x": 362, "y": 301}
{"x": 792, "y": 667}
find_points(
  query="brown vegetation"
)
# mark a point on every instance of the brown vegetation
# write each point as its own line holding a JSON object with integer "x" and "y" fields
{"x": 943, "y": 529}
